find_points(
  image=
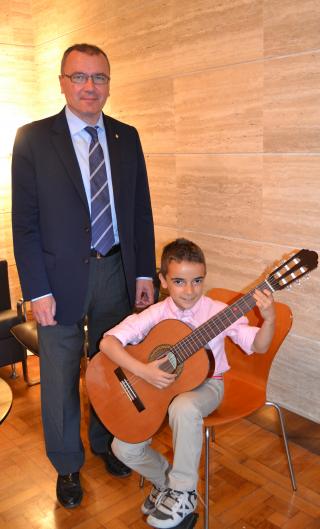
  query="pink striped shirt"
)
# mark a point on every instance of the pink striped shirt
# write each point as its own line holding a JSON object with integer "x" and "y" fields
{"x": 134, "y": 328}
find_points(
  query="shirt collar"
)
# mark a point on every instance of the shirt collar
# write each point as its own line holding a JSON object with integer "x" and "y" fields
{"x": 184, "y": 313}
{"x": 76, "y": 124}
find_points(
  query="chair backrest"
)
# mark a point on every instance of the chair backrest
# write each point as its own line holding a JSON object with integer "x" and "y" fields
{"x": 5, "y": 300}
{"x": 254, "y": 367}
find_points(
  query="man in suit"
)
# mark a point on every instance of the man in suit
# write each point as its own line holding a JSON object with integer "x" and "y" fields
{"x": 67, "y": 267}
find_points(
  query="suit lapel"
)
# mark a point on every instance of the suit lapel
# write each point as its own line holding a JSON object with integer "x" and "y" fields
{"x": 62, "y": 142}
{"x": 113, "y": 140}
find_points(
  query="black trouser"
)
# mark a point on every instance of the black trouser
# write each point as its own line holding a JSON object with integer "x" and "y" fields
{"x": 61, "y": 348}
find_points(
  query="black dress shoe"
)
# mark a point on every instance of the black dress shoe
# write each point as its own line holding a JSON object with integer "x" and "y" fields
{"x": 69, "y": 491}
{"x": 113, "y": 465}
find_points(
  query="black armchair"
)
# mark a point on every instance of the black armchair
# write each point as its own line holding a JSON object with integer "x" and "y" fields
{"x": 11, "y": 351}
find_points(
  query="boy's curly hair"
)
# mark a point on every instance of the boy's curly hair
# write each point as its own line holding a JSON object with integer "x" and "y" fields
{"x": 181, "y": 250}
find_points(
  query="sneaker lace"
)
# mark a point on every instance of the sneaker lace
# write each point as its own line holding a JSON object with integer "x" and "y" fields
{"x": 154, "y": 494}
{"x": 170, "y": 498}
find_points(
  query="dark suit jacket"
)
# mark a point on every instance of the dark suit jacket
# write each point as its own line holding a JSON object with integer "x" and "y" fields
{"x": 50, "y": 215}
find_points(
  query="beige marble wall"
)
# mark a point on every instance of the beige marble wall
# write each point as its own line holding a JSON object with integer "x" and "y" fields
{"x": 17, "y": 102}
{"x": 226, "y": 98}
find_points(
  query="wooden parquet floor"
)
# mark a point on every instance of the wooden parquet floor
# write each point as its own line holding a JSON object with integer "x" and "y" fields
{"x": 249, "y": 486}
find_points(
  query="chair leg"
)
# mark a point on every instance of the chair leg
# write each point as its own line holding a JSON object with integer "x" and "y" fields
{"x": 208, "y": 430}
{"x": 14, "y": 373}
{"x": 25, "y": 371}
{"x": 285, "y": 440}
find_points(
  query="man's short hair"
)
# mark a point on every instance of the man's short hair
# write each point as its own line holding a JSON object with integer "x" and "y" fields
{"x": 89, "y": 49}
{"x": 181, "y": 250}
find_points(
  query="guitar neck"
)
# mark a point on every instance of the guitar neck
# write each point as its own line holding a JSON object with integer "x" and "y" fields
{"x": 216, "y": 325}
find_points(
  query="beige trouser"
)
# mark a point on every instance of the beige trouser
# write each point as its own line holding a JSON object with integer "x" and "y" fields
{"x": 186, "y": 413}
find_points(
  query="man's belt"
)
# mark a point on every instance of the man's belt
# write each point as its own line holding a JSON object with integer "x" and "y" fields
{"x": 115, "y": 249}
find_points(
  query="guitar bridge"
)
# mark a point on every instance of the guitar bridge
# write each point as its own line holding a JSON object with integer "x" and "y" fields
{"x": 128, "y": 389}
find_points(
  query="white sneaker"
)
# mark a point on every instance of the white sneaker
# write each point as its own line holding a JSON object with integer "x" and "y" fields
{"x": 172, "y": 507}
{"x": 149, "y": 504}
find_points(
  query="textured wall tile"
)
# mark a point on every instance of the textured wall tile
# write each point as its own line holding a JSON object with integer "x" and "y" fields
{"x": 17, "y": 68}
{"x": 290, "y": 26}
{"x": 220, "y": 110}
{"x": 291, "y": 110}
{"x": 47, "y": 67}
{"x": 209, "y": 34}
{"x": 6, "y": 238}
{"x": 143, "y": 48}
{"x": 54, "y": 19}
{"x": 220, "y": 195}
{"x": 16, "y": 22}
{"x": 231, "y": 263}
{"x": 117, "y": 8}
{"x": 149, "y": 107}
{"x": 303, "y": 299}
{"x": 291, "y": 198}
{"x": 294, "y": 377}
{"x": 164, "y": 235}
{"x": 163, "y": 189}
{"x": 5, "y": 187}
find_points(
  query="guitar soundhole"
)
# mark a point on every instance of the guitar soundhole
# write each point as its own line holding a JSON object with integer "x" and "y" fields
{"x": 163, "y": 350}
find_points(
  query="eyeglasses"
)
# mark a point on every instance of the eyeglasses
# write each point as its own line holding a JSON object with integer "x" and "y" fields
{"x": 82, "y": 78}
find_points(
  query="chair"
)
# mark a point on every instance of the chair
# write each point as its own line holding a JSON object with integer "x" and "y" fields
{"x": 11, "y": 352}
{"x": 246, "y": 382}
{"x": 26, "y": 334}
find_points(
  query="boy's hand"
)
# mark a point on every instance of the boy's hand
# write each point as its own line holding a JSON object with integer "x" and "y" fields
{"x": 156, "y": 376}
{"x": 265, "y": 303}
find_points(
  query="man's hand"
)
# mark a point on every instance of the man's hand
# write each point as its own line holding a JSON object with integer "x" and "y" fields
{"x": 144, "y": 293}
{"x": 44, "y": 310}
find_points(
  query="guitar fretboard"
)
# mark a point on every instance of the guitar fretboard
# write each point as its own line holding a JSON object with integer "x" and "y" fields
{"x": 215, "y": 325}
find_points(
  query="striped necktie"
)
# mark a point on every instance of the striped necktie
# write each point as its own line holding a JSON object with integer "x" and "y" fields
{"x": 102, "y": 236}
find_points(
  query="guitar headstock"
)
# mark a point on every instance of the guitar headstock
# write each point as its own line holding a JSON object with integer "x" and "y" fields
{"x": 294, "y": 268}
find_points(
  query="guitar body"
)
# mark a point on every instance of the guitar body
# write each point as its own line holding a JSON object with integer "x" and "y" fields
{"x": 132, "y": 409}
{"x": 136, "y": 420}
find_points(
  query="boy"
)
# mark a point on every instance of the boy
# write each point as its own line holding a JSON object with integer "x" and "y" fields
{"x": 183, "y": 269}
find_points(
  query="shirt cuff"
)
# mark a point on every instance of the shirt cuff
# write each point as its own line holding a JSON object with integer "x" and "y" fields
{"x": 40, "y": 297}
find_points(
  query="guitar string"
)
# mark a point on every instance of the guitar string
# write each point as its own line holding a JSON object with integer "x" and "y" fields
{"x": 227, "y": 316}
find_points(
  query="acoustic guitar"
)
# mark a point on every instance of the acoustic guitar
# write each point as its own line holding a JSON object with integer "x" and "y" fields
{"x": 132, "y": 409}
